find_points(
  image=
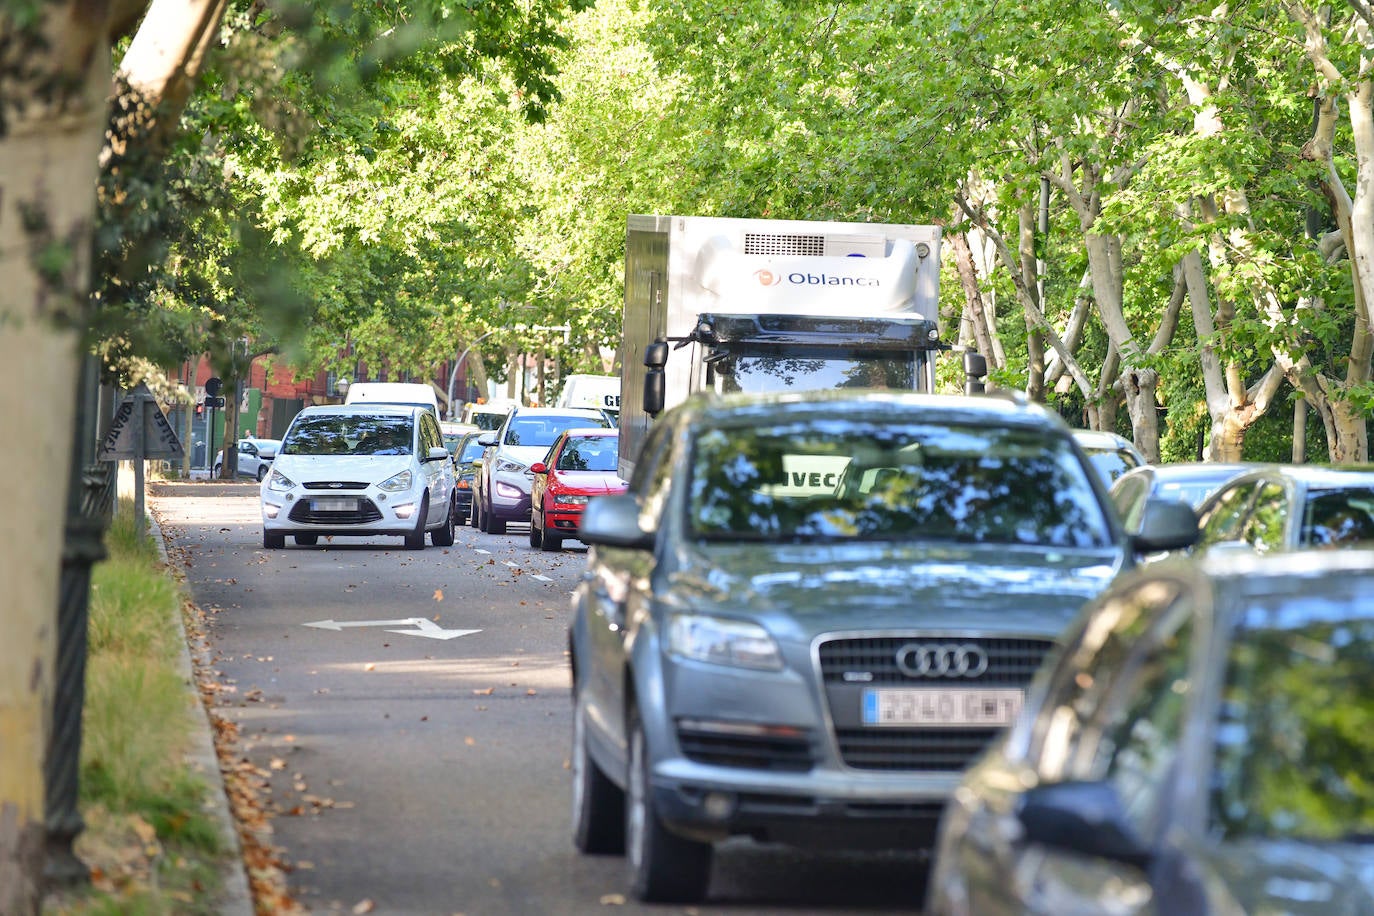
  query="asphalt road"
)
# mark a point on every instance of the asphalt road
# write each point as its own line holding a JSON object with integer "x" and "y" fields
{"x": 412, "y": 770}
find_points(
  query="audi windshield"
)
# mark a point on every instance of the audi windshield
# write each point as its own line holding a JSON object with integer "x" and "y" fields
{"x": 866, "y": 480}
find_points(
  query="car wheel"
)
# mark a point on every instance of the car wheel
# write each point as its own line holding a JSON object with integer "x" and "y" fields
{"x": 598, "y": 805}
{"x": 416, "y": 539}
{"x": 552, "y": 542}
{"x": 494, "y": 525}
{"x": 483, "y": 518}
{"x": 443, "y": 535}
{"x": 262, "y": 472}
{"x": 272, "y": 541}
{"x": 664, "y": 867}
{"x": 215, "y": 473}
{"x": 536, "y": 536}
{"x": 307, "y": 540}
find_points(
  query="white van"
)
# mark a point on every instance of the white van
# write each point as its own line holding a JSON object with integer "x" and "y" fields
{"x": 598, "y": 392}
{"x": 488, "y": 415}
{"x": 406, "y": 394}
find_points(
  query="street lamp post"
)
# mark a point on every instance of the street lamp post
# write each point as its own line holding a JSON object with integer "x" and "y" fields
{"x": 453, "y": 375}
{"x": 341, "y": 386}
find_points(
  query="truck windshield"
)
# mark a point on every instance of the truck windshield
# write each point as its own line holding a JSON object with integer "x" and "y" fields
{"x": 869, "y": 479}
{"x": 812, "y": 371}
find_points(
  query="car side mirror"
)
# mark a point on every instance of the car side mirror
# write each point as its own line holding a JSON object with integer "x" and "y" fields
{"x": 539, "y": 467}
{"x": 267, "y": 452}
{"x": 1165, "y": 524}
{"x": 1086, "y": 818}
{"x": 438, "y": 453}
{"x": 613, "y": 521}
{"x": 488, "y": 440}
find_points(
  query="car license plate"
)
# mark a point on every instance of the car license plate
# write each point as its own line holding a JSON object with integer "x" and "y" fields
{"x": 949, "y": 708}
{"x": 334, "y": 504}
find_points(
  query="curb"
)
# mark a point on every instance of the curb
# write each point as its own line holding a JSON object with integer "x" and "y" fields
{"x": 236, "y": 899}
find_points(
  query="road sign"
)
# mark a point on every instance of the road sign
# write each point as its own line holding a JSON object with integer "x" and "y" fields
{"x": 140, "y": 430}
{"x": 423, "y": 627}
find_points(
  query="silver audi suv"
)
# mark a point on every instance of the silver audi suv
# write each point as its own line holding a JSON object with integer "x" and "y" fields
{"x": 811, "y": 612}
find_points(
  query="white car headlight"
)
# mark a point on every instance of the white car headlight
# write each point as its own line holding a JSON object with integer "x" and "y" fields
{"x": 510, "y": 467}
{"x": 723, "y": 642}
{"x": 397, "y": 483}
{"x": 568, "y": 499}
{"x": 279, "y": 482}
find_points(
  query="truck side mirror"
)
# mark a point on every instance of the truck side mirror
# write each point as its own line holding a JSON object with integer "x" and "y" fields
{"x": 655, "y": 382}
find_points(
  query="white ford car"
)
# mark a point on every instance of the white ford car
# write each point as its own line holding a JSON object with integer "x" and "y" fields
{"x": 360, "y": 470}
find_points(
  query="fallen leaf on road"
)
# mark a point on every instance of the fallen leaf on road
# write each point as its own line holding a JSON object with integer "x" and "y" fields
{"x": 470, "y": 741}
{"x": 369, "y": 667}
{"x": 531, "y": 692}
{"x": 278, "y": 763}
{"x": 364, "y": 906}
{"x": 484, "y": 693}
{"x": 438, "y": 594}
{"x": 613, "y": 900}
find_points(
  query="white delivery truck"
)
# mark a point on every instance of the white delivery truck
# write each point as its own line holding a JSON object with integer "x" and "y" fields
{"x": 723, "y": 304}
{"x": 598, "y": 392}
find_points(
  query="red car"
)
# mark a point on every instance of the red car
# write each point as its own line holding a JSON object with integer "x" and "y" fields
{"x": 580, "y": 464}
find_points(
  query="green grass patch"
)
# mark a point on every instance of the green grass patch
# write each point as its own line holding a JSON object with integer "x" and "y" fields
{"x": 151, "y": 845}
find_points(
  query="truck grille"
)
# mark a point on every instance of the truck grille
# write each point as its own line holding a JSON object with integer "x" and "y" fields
{"x": 850, "y": 665}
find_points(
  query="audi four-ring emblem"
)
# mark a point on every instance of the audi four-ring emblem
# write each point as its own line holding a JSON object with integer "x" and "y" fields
{"x": 941, "y": 659}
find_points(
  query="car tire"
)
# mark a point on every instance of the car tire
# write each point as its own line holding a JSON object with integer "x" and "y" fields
{"x": 494, "y": 525}
{"x": 483, "y": 519}
{"x": 307, "y": 540}
{"x": 214, "y": 474}
{"x": 551, "y": 542}
{"x": 664, "y": 867}
{"x": 443, "y": 535}
{"x": 598, "y": 805}
{"x": 536, "y": 536}
{"x": 416, "y": 539}
{"x": 262, "y": 472}
{"x": 272, "y": 540}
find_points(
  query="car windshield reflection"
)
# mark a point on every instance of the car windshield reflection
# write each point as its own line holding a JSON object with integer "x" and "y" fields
{"x": 353, "y": 434}
{"x": 872, "y": 481}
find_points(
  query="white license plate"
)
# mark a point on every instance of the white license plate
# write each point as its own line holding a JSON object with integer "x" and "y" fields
{"x": 334, "y": 504}
{"x": 961, "y": 707}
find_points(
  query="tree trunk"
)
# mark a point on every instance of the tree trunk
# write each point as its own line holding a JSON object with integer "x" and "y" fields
{"x": 1035, "y": 340}
{"x": 973, "y": 297}
{"x": 49, "y": 148}
{"x": 1139, "y": 386}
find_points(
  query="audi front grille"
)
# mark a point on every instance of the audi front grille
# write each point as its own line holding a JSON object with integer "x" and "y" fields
{"x": 850, "y": 665}
{"x": 789, "y": 753}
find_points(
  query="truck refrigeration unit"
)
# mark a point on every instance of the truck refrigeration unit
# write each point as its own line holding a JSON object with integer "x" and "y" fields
{"x": 772, "y": 305}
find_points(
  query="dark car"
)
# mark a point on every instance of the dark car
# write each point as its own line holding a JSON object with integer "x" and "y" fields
{"x": 810, "y": 612}
{"x": 467, "y": 453}
{"x": 1201, "y": 746}
{"x": 1287, "y": 507}
{"x": 1188, "y": 481}
{"x": 580, "y": 465}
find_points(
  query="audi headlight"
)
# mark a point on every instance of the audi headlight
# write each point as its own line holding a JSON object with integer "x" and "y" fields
{"x": 510, "y": 467}
{"x": 279, "y": 482}
{"x": 567, "y": 499}
{"x": 721, "y": 641}
{"x": 398, "y": 483}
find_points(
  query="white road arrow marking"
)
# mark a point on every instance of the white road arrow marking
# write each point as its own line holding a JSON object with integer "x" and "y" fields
{"x": 541, "y": 578}
{"x": 424, "y": 627}
{"x": 512, "y": 565}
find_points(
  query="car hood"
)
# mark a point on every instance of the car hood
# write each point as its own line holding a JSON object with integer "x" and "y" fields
{"x": 525, "y": 454}
{"x": 1300, "y": 878}
{"x": 364, "y": 468}
{"x": 804, "y": 590}
{"x": 591, "y": 482}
